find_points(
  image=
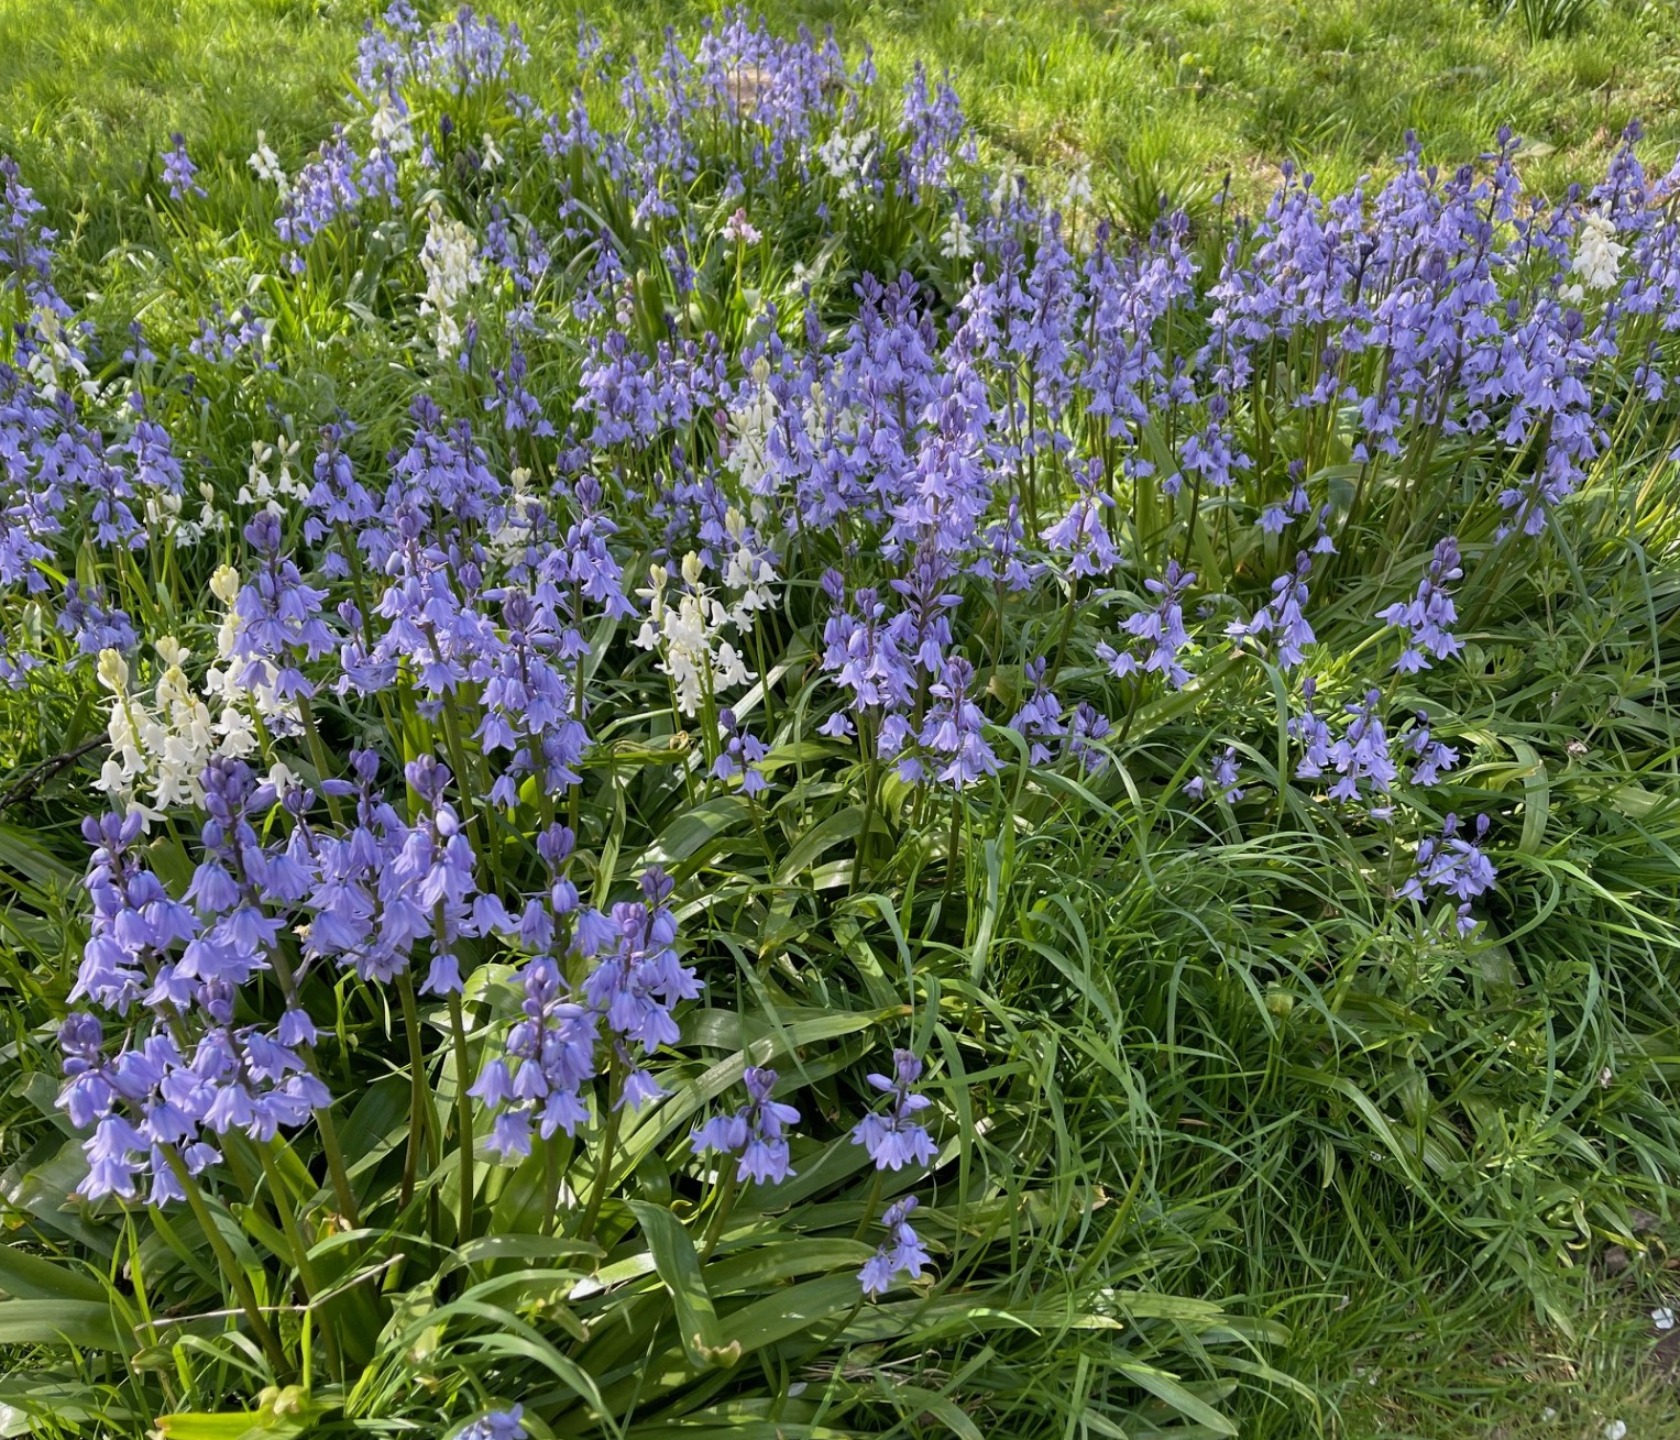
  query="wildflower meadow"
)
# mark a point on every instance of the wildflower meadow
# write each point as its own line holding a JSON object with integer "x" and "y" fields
{"x": 684, "y": 757}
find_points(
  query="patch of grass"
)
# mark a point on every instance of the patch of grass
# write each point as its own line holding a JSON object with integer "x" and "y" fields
{"x": 95, "y": 90}
{"x": 1162, "y": 98}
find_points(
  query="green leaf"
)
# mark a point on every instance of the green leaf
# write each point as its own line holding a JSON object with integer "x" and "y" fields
{"x": 521, "y": 1247}
{"x": 29, "y": 1277}
{"x": 685, "y": 836}
{"x": 678, "y": 1267}
{"x": 22, "y": 852}
{"x": 914, "y": 1400}
{"x": 787, "y": 1313}
{"x": 379, "y": 1121}
{"x": 284, "y": 1413}
{"x": 41, "y": 1186}
{"x": 740, "y": 1428}
{"x": 1167, "y": 1388}
{"x": 834, "y": 830}
{"x": 232, "y": 1425}
{"x": 779, "y": 1260}
{"x": 85, "y": 1323}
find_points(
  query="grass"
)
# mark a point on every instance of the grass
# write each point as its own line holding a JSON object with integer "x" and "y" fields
{"x": 1220, "y": 1003}
{"x": 1160, "y": 98}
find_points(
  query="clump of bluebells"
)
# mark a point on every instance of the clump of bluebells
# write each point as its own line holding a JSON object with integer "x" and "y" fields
{"x": 1453, "y": 866}
{"x": 756, "y": 1134}
{"x": 875, "y": 536}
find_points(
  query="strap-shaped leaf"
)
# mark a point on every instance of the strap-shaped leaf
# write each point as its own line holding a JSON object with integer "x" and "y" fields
{"x": 31, "y": 1277}
{"x": 678, "y": 1266}
{"x": 85, "y": 1323}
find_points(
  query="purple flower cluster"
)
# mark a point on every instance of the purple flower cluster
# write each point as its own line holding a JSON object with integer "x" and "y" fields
{"x": 95, "y": 624}
{"x": 637, "y": 980}
{"x": 553, "y": 1055}
{"x": 188, "y": 1072}
{"x": 567, "y": 1036}
{"x": 329, "y": 186}
{"x": 459, "y": 55}
{"x": 950, "y": 745}
{"x": 901, "y": 1253}
{"x": 1042, "y": 719}
{"x": 221, "y": 337}
{"x": 1224, "y": 778}
{"x": 1360, "y": 755}
{"x": 1283, "y": 616}
{"x": 1429, "y": 616}
{"x": 1364, "y": 756}
{"x": 497, "y": 1424}
{"x": 1159, "y": 632}
{"x": 1455, "y": 866}
{"x": 179, "y": 172}
{"x": 279, "y": 625}
{"x": 741, "y": 756}
{"x": 893, "y": 1137}
{"x": 1079, "y": 542}
{"x": 756, "y": 1133}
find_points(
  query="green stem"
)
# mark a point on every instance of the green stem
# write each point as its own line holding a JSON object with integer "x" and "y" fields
{"x": 418, "y": 1101}
{"x": 764, "y": 681}
{"x": 463, "y": 1118}
{"x": 951, "y": 843}
{"x": 466, "y": 785}
{"x": 336, "y": 1169}
{"x": 283, "y": 1203}
{"x": 609, "y": 1142}
{"x": 231, "y": 1267}
{"x": 720, "y": 1212}
{"x": 869, "y": 1207}
{"x": 318, "y": 754}
{"x": 865, "y": 836}
{"x": 551, "y": 1182}
{"x": 574, "y": 798}
{"x": 1067, "y": 629}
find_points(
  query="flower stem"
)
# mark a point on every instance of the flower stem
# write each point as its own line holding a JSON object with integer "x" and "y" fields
{"x": 336, "y": 1169}
{"x": 951, "y": 843}
{"x": 231, "y": 1267}
{"x": 318, "y": 754}
{"x": 418, "y": 1101}
{"x": 463, "y": 1118}
{"x": 1066, "y": 633}
{"x": 720, "y": 1214}
{"x": 283, "y": 1204}
{"x": 869, "y": 1207}
{"x": 551, "y": 1183}
{"x": 609, "y": 1142}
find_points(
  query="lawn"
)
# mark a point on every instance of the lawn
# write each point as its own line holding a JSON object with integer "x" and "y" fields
{"x": 1158, "y": 98}
{"x": 725, "y": 844}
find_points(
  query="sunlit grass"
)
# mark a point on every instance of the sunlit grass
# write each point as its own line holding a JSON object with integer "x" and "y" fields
{"x": 1160, "y": 97}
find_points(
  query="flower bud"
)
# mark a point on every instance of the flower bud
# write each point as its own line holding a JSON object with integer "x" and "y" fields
{"x": 224, "y": 584}
{"x": 113, "y": 671}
